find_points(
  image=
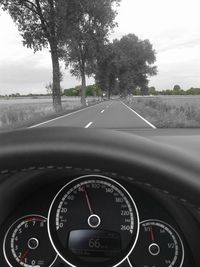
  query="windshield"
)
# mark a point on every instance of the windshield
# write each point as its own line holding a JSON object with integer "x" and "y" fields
{"x": 116, "y": 64}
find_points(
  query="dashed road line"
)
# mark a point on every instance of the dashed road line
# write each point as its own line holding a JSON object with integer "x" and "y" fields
{"x": 109, "y": 105}
{"x": 88, "y": 125}
{"x": 150, "y": 124}
{"x": 63, "y": 116}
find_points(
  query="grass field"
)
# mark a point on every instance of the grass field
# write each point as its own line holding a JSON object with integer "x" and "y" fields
{"x": 168, "y": 111}
{"x": 162, "y": 111}
{"x": 16, "y": 113}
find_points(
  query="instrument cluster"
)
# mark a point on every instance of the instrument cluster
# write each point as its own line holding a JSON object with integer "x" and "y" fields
{"x": 94, "y": 220}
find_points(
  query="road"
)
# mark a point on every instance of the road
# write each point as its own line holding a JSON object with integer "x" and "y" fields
{"x": 113, "y": 114}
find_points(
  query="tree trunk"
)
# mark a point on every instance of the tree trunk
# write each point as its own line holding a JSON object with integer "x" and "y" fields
{"x": 56, "y": 92}
{"x": 83, "y": 86}
{"x": 109, "y": 93}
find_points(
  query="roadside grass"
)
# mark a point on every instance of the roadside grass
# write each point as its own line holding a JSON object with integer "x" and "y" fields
{"x": 15, "y": 115}
{"x": 168, "y": 112}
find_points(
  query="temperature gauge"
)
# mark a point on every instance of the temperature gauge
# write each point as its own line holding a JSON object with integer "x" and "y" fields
{"x": 158, "y": 245}
{"x": 27, "y": 243}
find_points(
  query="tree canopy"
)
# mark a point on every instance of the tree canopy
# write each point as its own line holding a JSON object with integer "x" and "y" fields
{"x": 40, "y": 23}
{"x": 127, "y": 63}
{"x": 78, "y": 26}
{"x": 177, "y": 87}
{"x": 90, "y": 24}
{"x": 77, "y": 31}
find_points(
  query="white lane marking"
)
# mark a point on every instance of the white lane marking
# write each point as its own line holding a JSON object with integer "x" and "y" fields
{"x": 150, "y": 124}
{"x": 109, "y": 105}
{"x": 103, "y": 111}
{"x": 63, "y": 116}
{"x": 88, "y": 125}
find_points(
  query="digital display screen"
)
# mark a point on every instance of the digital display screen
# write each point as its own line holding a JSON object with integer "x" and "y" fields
{"x": 94, "y": 243}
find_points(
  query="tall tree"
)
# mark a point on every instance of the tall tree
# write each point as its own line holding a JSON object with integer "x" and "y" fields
{"x": 128, "y": 63}
{"x": 136, "y": 63}
{"x": 90, "y": 24}
{"x": 40, "y": 23}
{"x": 107, "y": 68}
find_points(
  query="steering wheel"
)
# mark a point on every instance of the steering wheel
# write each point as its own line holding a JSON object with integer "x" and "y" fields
{"x": 167, "y": 169}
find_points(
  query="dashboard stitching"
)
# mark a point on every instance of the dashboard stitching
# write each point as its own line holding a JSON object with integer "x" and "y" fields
{"x": 32, "y": 168}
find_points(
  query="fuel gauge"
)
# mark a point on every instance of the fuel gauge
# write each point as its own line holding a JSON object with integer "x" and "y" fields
{"x": 158, "y": 245}
{"x": 27, "y": 243}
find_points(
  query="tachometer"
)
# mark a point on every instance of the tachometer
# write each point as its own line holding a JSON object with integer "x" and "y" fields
{"x": 93, "y": 221}
{"x": 27, "y": 243}
{"x": 158, "y": 245}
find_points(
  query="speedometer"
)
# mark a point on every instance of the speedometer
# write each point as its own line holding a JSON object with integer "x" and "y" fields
{"x": 93, "y": 221}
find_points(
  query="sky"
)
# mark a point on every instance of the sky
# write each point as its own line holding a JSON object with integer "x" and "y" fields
{"x": 172, "y": 26}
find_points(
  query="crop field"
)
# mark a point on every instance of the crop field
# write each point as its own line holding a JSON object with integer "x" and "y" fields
{"x": 168, "y": 111}
{"x": 16, "y": 112}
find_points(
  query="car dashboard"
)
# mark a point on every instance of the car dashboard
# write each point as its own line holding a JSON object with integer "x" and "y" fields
{"x": 72, "y": 217}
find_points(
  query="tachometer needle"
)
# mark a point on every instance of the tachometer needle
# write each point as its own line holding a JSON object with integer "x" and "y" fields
{"x": 152, "y": 234}
{"x": 24, "y": 255}
{"x": 88, "y": 201}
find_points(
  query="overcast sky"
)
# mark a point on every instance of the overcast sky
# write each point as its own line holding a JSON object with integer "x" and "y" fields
{"x": 172, "y": 26}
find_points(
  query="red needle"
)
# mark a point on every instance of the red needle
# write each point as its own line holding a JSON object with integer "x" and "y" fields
{"x": 24, "y": 255}
{"x": 152, "y": 234}
{"x": 88, "y": 201}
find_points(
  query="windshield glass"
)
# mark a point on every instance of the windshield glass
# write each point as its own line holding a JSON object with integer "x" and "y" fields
{"x": 116, "y": 64}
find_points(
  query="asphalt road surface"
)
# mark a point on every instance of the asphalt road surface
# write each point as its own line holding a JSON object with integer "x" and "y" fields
{"x": 113, "y": 114}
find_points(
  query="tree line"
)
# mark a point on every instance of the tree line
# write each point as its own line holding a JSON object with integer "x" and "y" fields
{"x": 177, "y": 90}
{"x": 91, "y": 90}
{"x": 77, "y": 32}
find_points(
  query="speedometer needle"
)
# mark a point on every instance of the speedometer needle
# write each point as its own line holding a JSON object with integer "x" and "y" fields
{"x": 152, "y": 234}
{"x": 88, "y": 201}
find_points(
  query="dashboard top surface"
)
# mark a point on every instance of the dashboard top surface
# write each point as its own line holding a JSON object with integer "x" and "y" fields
{"x": 185, "y": 139}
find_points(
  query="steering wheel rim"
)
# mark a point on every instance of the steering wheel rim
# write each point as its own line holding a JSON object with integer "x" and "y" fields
{"x": 145, "y": 162}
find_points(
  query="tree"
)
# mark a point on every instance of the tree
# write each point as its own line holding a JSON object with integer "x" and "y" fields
{"x": 176, "y": 89}
{"x": 136, "y": 63}
{"x": 40, "y": 23}
{"x": 90, "y": 24}
{"x": 127, "y": 64}
{"x": 107, "y": 70}
{"x": 91, "y": 90}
